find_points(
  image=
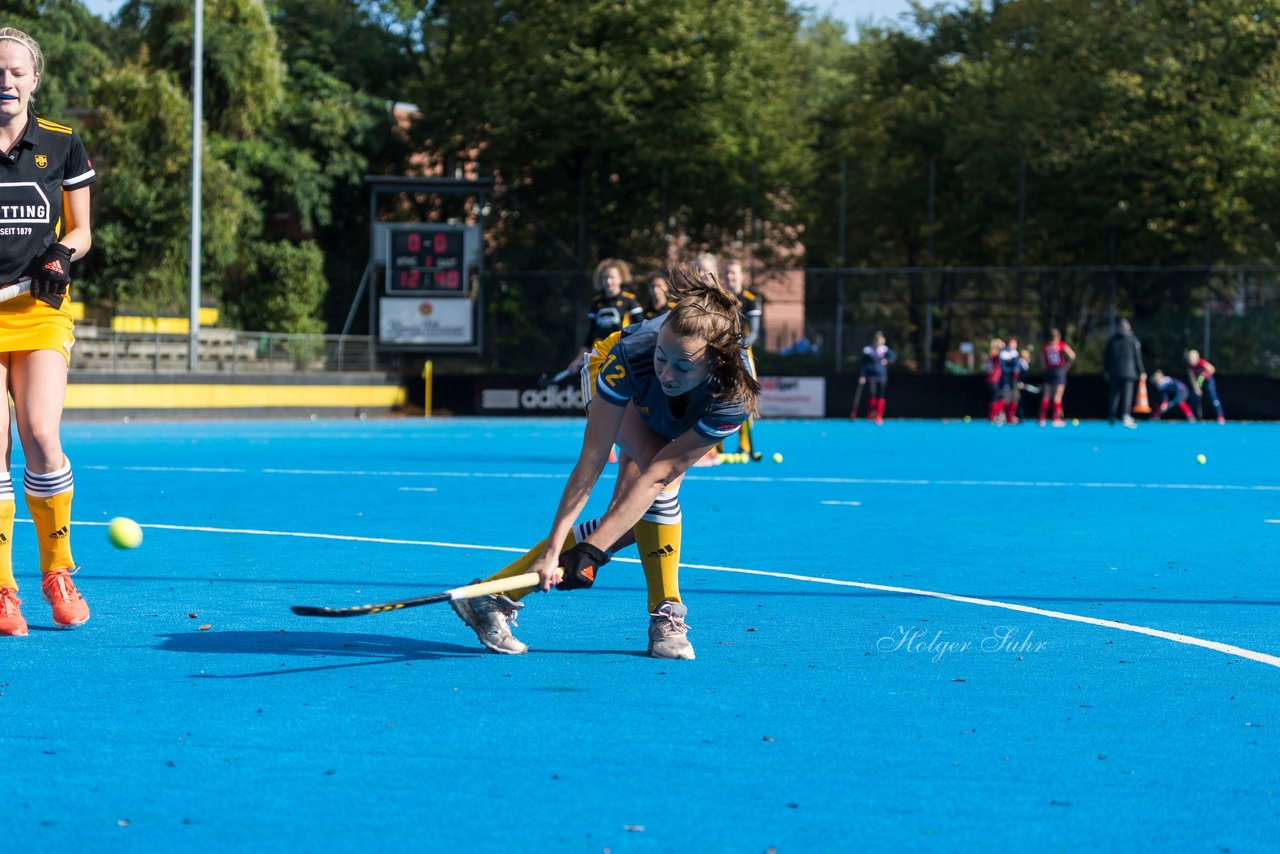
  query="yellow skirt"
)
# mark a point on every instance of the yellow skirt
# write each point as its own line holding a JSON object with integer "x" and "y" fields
{"x": 27, "y": 323}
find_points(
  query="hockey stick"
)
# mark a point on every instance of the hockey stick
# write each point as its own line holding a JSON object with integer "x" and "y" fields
{"x": 469, "y": 591}
{"x": 544, "y": 381}
{"x": 1030, "y": 389}
{"x": 857, "y": 398}
{"x": 17, "y": 289}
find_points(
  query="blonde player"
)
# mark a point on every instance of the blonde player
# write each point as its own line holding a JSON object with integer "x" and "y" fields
{"x": 44, "y": 191}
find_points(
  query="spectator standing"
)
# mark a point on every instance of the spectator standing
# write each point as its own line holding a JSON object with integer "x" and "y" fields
{"x": 1122, "y": 367}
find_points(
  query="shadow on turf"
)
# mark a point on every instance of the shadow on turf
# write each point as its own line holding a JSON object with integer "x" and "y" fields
{"x": 714, "y": 591}
{"x": 369, "y": 649}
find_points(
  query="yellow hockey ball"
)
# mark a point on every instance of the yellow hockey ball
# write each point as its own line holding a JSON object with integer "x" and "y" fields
{"x": 1075, "y": 422}
{"x": 1200, "y": 458}
{"x": 124, "y": 533}
{"x": 777, "y": 457}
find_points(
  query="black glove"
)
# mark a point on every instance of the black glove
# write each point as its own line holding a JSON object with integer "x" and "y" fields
{"x": 580, "y": 564}
{"x": 50, "y": 274}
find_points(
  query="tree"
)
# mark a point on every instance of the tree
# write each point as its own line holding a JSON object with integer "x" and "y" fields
{"x": 602, "y": 118}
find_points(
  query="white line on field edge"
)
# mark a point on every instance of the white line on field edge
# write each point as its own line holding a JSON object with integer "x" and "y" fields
{"x": 1227, "y": 649}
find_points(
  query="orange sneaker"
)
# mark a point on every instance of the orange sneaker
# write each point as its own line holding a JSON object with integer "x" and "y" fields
{"x": 11, "y": 622}
{"x": 69, "y": 607}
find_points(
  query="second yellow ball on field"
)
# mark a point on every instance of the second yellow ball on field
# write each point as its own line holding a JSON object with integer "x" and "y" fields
{"x": 124, "y": 533}
{"x": 1200, "y": 458}
{"x": 777, "y": 458}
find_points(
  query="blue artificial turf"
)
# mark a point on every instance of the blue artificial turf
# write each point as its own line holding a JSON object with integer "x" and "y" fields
{"x": 803, "y": 726}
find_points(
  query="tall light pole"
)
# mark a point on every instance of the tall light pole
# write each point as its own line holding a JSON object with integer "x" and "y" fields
{"x": 197, "y": 149}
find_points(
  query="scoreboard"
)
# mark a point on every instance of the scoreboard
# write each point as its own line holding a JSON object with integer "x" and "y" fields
{"x": 426, "y": 259}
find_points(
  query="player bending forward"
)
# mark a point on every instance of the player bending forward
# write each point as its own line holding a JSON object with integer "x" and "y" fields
{"x": 665, "y": 391}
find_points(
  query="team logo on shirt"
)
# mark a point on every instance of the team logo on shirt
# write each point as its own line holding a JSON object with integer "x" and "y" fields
{"x": 23, "y": 202}
{"x": 42, "y": 161}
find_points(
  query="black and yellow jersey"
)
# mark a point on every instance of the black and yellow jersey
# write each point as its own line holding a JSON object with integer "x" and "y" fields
{"x": 749, "y": 306}
{"x": 611, "y": 314}
{"x": 650, "y": 312}
{"x": 48, "y": 159}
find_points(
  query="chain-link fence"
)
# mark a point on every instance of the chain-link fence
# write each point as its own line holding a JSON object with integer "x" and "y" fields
{"x": 938, "y": 320}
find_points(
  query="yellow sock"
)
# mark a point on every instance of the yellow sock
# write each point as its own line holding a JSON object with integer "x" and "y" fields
{"x": 6, "y": 544}
{"x": 49, "y": 500}
{"x": 659, "y": 547}
{"x": 521, "y": 565}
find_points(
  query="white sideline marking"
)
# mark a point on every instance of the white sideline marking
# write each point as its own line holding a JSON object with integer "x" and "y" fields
{"x": 418, "y": 489}
{"x": 1272, "y": 521}
{"x": 857, "y": 481}
{"x": 1228, "y": 649}
{"x": 1252, "y": 655}
{"x": 843, "y": 503}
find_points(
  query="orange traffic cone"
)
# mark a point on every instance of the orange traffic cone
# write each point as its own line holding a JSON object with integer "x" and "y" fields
{"x": 1141, "y": 406}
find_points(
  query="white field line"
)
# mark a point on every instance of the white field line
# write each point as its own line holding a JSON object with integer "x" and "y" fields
{"x": 843, "y": 503}
{"x": 1227, "y": 649}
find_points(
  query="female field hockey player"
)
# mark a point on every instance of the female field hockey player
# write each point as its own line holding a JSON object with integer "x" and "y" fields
{"x": 1200, "y": 372}
{"x": 1056, "y": 357}
{"x": 660, "y": 301}
{"x": 874, "y": 374}
{"x": 44, "y": 200}
{"x": 1012, "y": 368}
{"x": 1174, "y": 394}
{"x": 665, "y": 391}
{"x": 995, "y": 409}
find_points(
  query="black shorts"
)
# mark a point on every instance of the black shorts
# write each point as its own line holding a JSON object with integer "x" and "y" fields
{"x": 1055, "y": 378}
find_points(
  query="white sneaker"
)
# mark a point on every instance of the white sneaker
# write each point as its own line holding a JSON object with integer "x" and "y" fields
{"x": 668, "y": 634}
{"x": 1128, "y": 421}
{"x": 488, "y": 617}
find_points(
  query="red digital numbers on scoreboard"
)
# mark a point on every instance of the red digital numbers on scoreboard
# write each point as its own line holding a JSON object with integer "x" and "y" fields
{"x": 427, "y": 259}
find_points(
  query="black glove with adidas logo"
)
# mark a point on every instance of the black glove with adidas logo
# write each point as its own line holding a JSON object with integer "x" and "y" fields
{"x": 50, "y": 274}
{"x": 580, "y": 564}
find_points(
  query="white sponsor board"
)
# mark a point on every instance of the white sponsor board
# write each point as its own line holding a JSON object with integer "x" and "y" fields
{"x": 793, "y": 397}
{"x": 407, "y": 320}
{"x": 556, "y": 398}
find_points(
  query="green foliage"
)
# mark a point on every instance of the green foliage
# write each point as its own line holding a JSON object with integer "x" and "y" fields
{"x": 280, "y": 289}
{"x": 76, "y": 50}
{"x": 634, "y": 110}
{"x": 1146, "y": 132}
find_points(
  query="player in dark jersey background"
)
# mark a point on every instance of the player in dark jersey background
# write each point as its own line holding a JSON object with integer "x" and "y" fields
{"x": 1012, "y": 366}
{"x": 612, "y": 309}
{"x": 44, "y": 225}
{"x": 659, "y": 299}
{"x": 1174, "y": 394}
{"x": 665, "y": 391}
{"x": 1056, "y": 357}
{"x": 752, "y": 311}
{"x": 873, "y": 373}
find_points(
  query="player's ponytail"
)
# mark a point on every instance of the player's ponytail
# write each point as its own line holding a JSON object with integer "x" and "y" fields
{"x": 704, "y": 309}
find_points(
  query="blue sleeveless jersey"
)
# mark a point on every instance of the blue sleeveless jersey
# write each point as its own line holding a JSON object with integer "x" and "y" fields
{"x": 627, "y": 376}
